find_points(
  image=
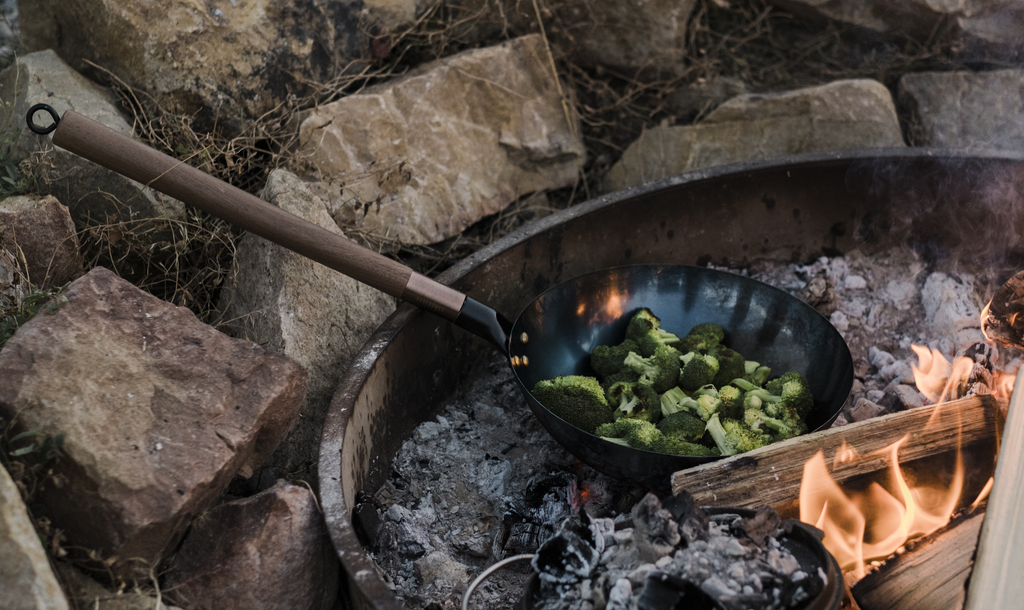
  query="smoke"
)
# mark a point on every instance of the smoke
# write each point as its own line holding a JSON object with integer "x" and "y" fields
{"x": 956, "y": 212}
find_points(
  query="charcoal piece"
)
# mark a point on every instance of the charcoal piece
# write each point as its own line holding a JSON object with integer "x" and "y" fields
{"x": 764, "y": 524}
{"x": 655, "y": 532}
{"x": 568, "y": 556}
{"x": 367, "y": 523}
{"x": 668, "y": 592}
{"x": 693, "y": 521}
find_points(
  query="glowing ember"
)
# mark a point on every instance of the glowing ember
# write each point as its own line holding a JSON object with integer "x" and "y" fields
{"x": 874, "y": 522}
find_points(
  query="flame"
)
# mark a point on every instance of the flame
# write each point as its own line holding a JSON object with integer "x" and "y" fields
{"x": 874, "y": 522}
{"x": 936, "y": 377}
{"x": 605, "y": 308}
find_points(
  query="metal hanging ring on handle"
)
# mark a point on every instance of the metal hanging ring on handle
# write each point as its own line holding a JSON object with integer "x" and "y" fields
{"x": 36, "y": 128}
{"x": 483, "y": 576}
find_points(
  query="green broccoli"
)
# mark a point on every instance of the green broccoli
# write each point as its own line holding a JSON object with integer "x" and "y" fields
{"x": 608, "y": 359}
{"x": 698, "y": 370}
{"x": 701, "y": 338}
{"x": 776, "y": 420}
{"x": 707, "y": 405}
{"x": 675, "y": 400}
{"x": 576, "y": 399}
{"x": 683, "y": 426}
{"x": 759, "y": 375}
{"x": 661, "y": 370}
{"x": 636, "y": 400}
{"x": 627, "y": 374}
{"x": 677, "y": 447}
{"x": 635, "y": 433}
{"x": 731, "y": 399}
{"x": 795, "y": 392}
{"x": 645, "y": 329}
{"x": 730, "y": 365}
{"x": 732, "y": 436}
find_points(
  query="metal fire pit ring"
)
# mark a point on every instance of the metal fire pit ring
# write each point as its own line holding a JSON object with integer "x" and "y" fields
{"x": 789, "y": 209}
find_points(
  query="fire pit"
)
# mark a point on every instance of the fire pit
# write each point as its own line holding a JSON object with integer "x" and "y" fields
{"x": 786, "y": 211}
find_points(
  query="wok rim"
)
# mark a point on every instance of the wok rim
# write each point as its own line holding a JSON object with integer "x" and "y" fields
{"x": 357, "y": 565}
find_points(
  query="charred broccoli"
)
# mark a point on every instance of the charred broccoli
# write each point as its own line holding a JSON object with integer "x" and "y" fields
{"x": 661, "y": 370}
{"x": 645, "y": 328}
{"x": 636, "y": 400}
{"x": 698, "y": 370}
{"x": 731, "y": 399}
{"x": 578, "y": 400}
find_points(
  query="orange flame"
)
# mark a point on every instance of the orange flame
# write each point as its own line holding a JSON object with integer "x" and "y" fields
{"x": 935, "y": 377}
{"x": 876, "y": 521}
{"x": 603, "y": 309}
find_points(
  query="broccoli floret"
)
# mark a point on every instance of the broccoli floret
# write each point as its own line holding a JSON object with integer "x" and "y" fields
{"x": 777, "y": 420}
{"x": 645, "y": 329}
{"x": 795, "y": 392}
{"x": 731, "y": 399}
{"x": 701, "y": 338}
{"x": 759, "y": 375}
{"x": 743, "y": 384}
{"x": 707, "y": 405}
{"x": 677, "y": 447}
{"x": 635, "y": 432}
{"x": 732, "y": 436}
{"x": 675, "y": 400}
{"x": 661, "y": 370}
{"x": 576, "y": 399}
{"x": 626, "y": 374}
{"x": 636, "y": 400}
{"x": 683, "y": 426}
{"x": 608, "y": 359}
{"x": 730, "y": 365}
{"x": 697, "y": 371}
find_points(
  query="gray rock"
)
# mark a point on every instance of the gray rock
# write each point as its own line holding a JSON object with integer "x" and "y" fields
{"x": 265, "y": 552}
{"x": 13, "y": 283}
{"x": 26, "y": 580}
{"x": 89, "y": 191}
{"x": 457, "y": 140}
{"x": 865, "y": 409}
{"x": 40, "y": 228}
{"x": 990, "y": 24}
{"x": 837, "y": 116}
{"x": 159, "y": 411}
{"x": 223, "y": 61}
{"x": 698, "y": 99}
{"x": 84, "y": 592}
{"x": 949, "y": 309}
{"x": 966, "y": 109}
{"x": 316, "y": 316}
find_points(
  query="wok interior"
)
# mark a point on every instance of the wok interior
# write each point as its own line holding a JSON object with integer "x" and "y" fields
{"x": 763, "y": 323}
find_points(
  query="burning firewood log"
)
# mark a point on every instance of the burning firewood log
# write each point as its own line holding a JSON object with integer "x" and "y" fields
{"x": 1002, "y": 320}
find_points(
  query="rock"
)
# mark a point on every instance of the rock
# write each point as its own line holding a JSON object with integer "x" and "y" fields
{"x": 990, "y": 24}
{"x": 966, "y": 109}
{"x": 159, "y": 412}
{"x": 41, "y": 229}
{"x": 267, "y": 551}
{"x": 699, "y": 98}
{"x": 865, "y": 409}
{"x": 439, "y": 571}
{"x": 13, "y": 284}
{"x": 26, "y": 580}
{"x": 449, "y": 145}
{"x": 312, "y": 314}
{"x": 89, "y": 191}
{"x": 837, "y": 116}
{"x": 223, "y": 61}
{"x": 85, "y": 592}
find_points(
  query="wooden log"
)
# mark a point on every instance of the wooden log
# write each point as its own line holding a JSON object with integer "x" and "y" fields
{"x": 996, "y": 581}
{"x": 772, "y": 474}
{"x": 930, "y": 574}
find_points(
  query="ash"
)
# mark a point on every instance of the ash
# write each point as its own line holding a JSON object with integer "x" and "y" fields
{"x": 484, "y": 480}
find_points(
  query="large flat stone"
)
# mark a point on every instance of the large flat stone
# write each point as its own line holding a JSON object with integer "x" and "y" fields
{"x": 966, "y": 109}
{"x": 26, "y": 580}
{"x": 422, "y": 157}
{"x": 88, "y": 190}
{"x": 317, "y": 316}
{"x": 159, "y": 412}
{"x": 840, "y": 115}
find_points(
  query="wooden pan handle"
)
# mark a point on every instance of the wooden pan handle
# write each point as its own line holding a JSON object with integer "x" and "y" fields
{"x": 119, "y": 153}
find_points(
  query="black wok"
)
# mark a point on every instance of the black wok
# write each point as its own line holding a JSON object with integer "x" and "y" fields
{"x": 555, "y": 332}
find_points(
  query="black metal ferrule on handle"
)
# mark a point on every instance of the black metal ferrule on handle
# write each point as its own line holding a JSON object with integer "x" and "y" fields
{"x": 483, "y": 321}
{"x": 30, "y": 119}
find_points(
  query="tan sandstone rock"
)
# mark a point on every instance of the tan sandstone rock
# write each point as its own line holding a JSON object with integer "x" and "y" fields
{"x": 755, "y": 126}
{"x": 265, "y": 552}
{"x": 159, "y": 412}
{"x": 40, "y": 228}
{"x": 222, "y": 61}
{"x": 26, "y": 580}
{"x": 317, "y": 316}
{"x": 88, "y": 190}
{"x": 422, "y": 157}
